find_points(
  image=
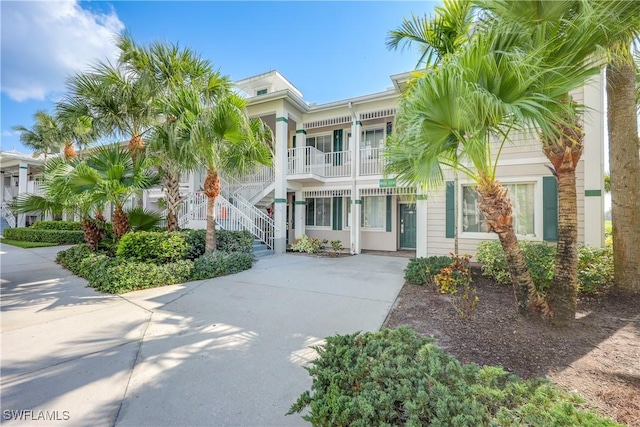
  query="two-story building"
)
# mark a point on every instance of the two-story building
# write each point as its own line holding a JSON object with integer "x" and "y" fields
{"x": 328, "y": 177}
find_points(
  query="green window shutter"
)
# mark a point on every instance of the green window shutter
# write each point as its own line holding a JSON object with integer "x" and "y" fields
{"x": 337, "y": 213}
{"x": 294, "y": 141}
{"x": 337, "y": 146}
{"x": 549, "y": 209}
{"x": 389, "y": 128}
{"x": 450, "y": 229}
{"x": 388, "y": 213}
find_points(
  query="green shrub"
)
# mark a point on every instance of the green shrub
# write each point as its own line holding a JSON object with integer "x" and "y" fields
{"x": 422, "y": 270}
{"x": 595, "y": 269}
{"x": 152, "y": 246}
{"x": 195, "y": 240}
{"x": 309, "y": 245}
{"x": 393, "y": 377}
{"x": 595, "y": 265}
{"x": 57, "y": 225}
{"x": 127, "y": 276}
{"x": 234, "y": 241}
{"x": 220, "y": 264}
{"x": 72, "y": 257}
{"x": 226, "y": 241}
{"x": 60, "y": 237}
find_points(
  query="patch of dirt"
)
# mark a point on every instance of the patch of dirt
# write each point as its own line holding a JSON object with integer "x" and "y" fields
{"x": 598, "y": 356}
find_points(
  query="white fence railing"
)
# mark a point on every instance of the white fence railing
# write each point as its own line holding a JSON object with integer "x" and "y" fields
{"x": 371, "y": 161}
{"x": 35, "y": 187}
{"x": 5, "y": 211}
{"x": 250, "y": 185}
{"x": 336, "y": 164}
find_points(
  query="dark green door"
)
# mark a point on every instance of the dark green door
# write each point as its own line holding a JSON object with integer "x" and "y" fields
{"x": 407, "y": 226}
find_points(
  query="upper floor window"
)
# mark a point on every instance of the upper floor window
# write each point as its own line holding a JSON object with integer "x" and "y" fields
{"x": 522, "y": 197}
{"x": 261, "y": 92}
{"x": 372, "y": 138}
{"x": 323, "y": 143}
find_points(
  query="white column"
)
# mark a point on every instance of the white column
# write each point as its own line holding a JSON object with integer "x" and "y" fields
{"x": 421, "y": 224}
{"x": 280, "y": 201}
{"x": 22, "y": 188}
{"x": 356, "y": 202}
{"x": 299, "y": 212}
{"x": 593, "y": 155}
{"x": 1, "y": 186}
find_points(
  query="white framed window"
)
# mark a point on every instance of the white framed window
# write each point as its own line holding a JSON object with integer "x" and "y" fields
{"x": 525, "y": 202}
{"x": 346, "y": 220}
{"x": 318, "y": 212}
{"x": 372, "y": 138}
{"x": 323, "y": 143}
{"x": 374, "y": 212}
{"x": 262, "y": 91}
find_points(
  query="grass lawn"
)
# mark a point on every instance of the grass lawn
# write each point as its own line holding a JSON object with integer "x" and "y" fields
{"x": 26, "y": 245}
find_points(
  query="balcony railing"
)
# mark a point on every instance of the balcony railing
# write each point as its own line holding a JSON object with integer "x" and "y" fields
{"x": 371, "y": 161}
{"x": 309, "y": 160}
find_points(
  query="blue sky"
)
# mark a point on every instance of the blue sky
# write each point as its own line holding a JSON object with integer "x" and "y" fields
{"x": 329, "y": 50}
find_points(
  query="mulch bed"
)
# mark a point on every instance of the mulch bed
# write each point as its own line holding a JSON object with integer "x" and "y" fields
{"x": 598, "y": 356}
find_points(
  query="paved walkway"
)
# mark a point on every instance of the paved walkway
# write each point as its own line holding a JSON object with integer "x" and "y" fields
{"x": 227, "y": 351}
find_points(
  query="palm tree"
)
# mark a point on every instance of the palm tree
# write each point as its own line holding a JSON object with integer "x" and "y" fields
{"x": 226, "y": 140}
{"x": 623, "y": 96}
{"x": 449, "y": 117}
{"x": 43, "y": 136}
{"x": 112, "y": 175}
{"x": 61, "y": 197}
{"x": 579, "y": 31}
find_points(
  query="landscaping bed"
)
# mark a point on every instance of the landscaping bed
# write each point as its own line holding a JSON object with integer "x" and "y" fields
{"x": 597, "y": 356}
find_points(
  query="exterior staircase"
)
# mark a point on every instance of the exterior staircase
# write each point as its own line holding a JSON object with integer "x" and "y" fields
{"x": 236, "y": 208}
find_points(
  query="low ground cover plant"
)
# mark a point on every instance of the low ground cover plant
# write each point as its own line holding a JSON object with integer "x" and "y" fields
{"x": 421, "y": 271}
{"x": 595, "y": 265}
{"x": 309, "y": 245}
{"x": 393, "y": 377}
{"x": 149, "y": 259}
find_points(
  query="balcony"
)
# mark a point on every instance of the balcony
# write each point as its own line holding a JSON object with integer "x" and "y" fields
{"x": 308, "y": 164}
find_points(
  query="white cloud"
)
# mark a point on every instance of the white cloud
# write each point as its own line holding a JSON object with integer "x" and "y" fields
{"x": 44, "y": 42}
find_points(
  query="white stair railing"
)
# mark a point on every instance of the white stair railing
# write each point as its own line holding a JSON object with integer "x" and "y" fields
{"x": 250, "y": 185}
{"x": 5, "y": 211}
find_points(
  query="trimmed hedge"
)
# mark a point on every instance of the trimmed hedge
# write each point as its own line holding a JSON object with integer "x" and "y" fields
{"x": 595, "y": 265}
{"x": 57, "y": 225}
{"x": 422, "y": 270}
{"x": 60, "y": 237}
{"x": 226, "y": 241}
{"x": 393, "y": 377}
{"x": 152, "y": 246}
{"x": 221, "y": 264}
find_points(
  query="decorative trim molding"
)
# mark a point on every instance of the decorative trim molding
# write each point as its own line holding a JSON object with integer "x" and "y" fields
{"x": 593, "y": 193}
{"x": 280, "y": 200}
{"x": 282, "y": 119}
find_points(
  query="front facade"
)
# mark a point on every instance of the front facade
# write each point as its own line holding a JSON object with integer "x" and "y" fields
{"x": 18, "y": 175}
{"x": 328, "y": 177}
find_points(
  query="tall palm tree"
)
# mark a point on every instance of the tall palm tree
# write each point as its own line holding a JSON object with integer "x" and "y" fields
{"x": 450, "y": 116}
{"x": 580, "y": 30}
{"x": 112, "y": 175}
{"x": 43, "y": 136}
{"x": 226, "y": 140}
{"x": 623, "y": 86}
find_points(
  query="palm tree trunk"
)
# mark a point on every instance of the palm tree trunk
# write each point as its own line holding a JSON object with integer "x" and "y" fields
{"x": 92, "y": 232}
{"x": 564, "y": 152}
{"x": 172, "y": 198}
{"x": 212, "y": 190}
{"x": 136, "y": 147}
{"x": 563, "y": 292}
{"x": 624, "y": 167}
{"x": 120, "y": 222}
{"x": 495, "y": 205}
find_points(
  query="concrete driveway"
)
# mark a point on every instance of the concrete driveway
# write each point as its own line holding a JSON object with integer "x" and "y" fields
{"x": 226, "y": 351}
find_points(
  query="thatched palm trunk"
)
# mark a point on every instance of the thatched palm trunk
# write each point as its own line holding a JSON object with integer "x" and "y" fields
{"x": 564, "y": 152}
{"x": 212, "y": 190}
{"x": 563, "y": 292}
{"x": 172, "y": 199}
{"x": 136, "y": 147}
{"x": 120, "y": 222}
{"x": 92, "y": 232}
{"x": 625, "y": 174}
{"x": 495, "y": 205}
